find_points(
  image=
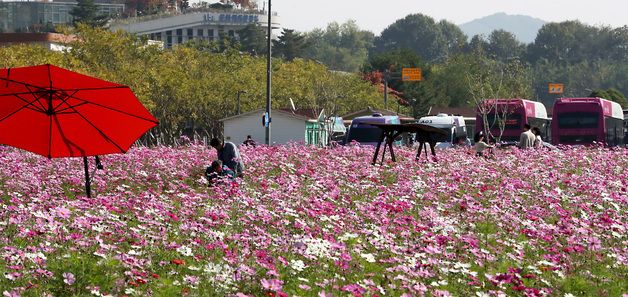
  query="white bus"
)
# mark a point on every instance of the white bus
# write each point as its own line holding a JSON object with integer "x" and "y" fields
{"x": 454, "y": 126}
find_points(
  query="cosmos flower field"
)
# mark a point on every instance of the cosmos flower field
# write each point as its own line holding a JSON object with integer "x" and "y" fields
{"x": 309, "y": 221}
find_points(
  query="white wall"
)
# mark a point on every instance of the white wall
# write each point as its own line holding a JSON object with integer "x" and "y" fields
{"x": 284, "y": 129}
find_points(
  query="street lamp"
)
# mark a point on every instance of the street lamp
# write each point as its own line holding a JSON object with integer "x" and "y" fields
{"x": 267, "y": 137}
{"x": 239, "y": 92}
{"x": 413, "y": 107}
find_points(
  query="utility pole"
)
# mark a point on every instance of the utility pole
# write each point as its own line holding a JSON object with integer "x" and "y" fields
{"x": 268, "y": 75}
{"x": 239, "y": 92}
{"x": 386, "y": 78}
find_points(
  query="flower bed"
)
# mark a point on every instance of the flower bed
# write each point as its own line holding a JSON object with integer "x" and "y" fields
{"x": 317, "y": 222}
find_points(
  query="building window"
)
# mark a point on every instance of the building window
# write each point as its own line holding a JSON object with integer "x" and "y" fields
{"x": 231, "y": 33}
{"x": 168, "y": 38}
{"x": 158, "y": 36}
{"x": 190, "y": 33}
{"x": 199, "y": 33}
{"x": 179, "y": 32}
{"x": 210, "y": 33}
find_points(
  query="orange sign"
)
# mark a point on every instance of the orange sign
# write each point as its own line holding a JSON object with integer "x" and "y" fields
{"x": 556, "y": 88}
{"x": 411, "y": 74}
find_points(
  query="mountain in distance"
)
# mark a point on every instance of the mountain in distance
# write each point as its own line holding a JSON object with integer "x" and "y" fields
{"x": 524, "y": 27}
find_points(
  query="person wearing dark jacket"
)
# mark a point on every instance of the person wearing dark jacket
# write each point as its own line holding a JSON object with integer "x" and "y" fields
{"x": 249, "y": 141}
{"x": 229, "y": 154}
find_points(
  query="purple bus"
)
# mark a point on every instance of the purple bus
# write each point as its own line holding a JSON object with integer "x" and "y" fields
{"x": 587, "y": 120}
{"x": 518, "y": 113}
{"x": 365, "y": 134}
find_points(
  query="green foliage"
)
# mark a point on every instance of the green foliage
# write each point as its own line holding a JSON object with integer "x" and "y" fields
{"x": 430, "y": 40}
{"x": 503, "y": 45}
{"x": 573, "y": 42}
{"x": 448, "y": 81}
{"x": 86, "y": 12}
{"x": 195, "y": 85}
{"x": 290, "y": 45}
{"x": 341, "y": 47}
{"x": 253, "y": 39}
{"x": 491, "y": 79}
{"x": 611, "y": 94}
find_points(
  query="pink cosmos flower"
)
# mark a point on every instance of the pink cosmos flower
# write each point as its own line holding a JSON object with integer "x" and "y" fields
{"x": 272, "y": 284}
{"x": 191, "y": 279}
{"x": 63, "y": 212}
{"x": 68, "y": 278}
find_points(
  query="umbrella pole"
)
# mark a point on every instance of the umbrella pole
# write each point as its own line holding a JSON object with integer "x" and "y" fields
{"x": 87, "y": 185}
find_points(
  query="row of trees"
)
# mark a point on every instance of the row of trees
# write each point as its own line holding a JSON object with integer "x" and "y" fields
{"x": 193, "y": 86}
{"x": 585, "y": 58}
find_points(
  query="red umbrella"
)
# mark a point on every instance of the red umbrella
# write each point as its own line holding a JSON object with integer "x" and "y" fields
{"x": 56, "y": 113}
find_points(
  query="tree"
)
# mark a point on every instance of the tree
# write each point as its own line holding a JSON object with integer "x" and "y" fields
{"x": 455, "y": 40}
{"x": 503, "y": 45}
{"x": 448, "y": 81}
{"x": 393, "y": 61}
{"x": 611, "y": 94}
{"x": 494, "y": 80}
{"x": 566, "y": 42}
{"x": 184, "y": 4}
{"x": 431, "y": 41}
{"x": 246, "y": 4}
{"x": 619, "y": 44}
{"x": 86, "y": 12}
{"x": 252, "y": 39}
{"x": 195, "y": 85}
{"x": 477, "y": 46}
{"x": 290, "y": 45}
{"x": 341, "y": 47}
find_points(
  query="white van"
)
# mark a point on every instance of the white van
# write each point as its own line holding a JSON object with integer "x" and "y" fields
{"x": 454, "y": 126}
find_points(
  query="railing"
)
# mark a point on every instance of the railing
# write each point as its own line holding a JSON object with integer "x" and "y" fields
{"x": 137, "y": 19}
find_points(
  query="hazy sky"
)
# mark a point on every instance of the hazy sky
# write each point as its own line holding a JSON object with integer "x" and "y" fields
{"x": 376, "y": 15}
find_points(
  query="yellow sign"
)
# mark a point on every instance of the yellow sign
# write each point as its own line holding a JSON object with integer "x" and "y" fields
{"x": 556, "y": 88}
{"x": 411, "y": 74}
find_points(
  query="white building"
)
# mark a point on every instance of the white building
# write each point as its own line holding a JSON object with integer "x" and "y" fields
{"x": 205, "y": 25}
{"x": 285, "y": 127}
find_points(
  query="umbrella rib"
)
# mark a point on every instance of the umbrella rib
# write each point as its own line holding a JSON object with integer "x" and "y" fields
{"x": 45, "y": 89}
{"x": 98, "y": 129}
{"x": 67, "y": 141}
{"x": 38, "y": 96}
{"x": 98, "y": 89}
{"x": 28, "y": 104}
{"x": 16, "y": 111}
{"x": 62, "y": 111}
{"x": 117, "y": 110}
{"x": 21, "y": 83}
{"x": 32, "y": 107}
{"x": 63, "y": 100}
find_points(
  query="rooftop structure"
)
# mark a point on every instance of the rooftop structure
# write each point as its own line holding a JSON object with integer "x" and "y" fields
{"x": 43, "y": 16}
{"x": 201, "y": 23}
{"x": 51, "y": 41}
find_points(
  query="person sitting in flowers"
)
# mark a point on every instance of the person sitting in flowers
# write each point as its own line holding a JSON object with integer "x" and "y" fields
{"x": 480, "y": 144}
{"x": 218, "y": 172}
{"x": 229, "y": 154}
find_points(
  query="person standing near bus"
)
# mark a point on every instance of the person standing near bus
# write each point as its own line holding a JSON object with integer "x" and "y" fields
{"x": 527, "y": 138}
{"x": 538, "y": 140}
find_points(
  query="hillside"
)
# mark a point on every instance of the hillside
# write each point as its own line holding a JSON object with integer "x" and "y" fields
{"x": 524, "y": 27}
